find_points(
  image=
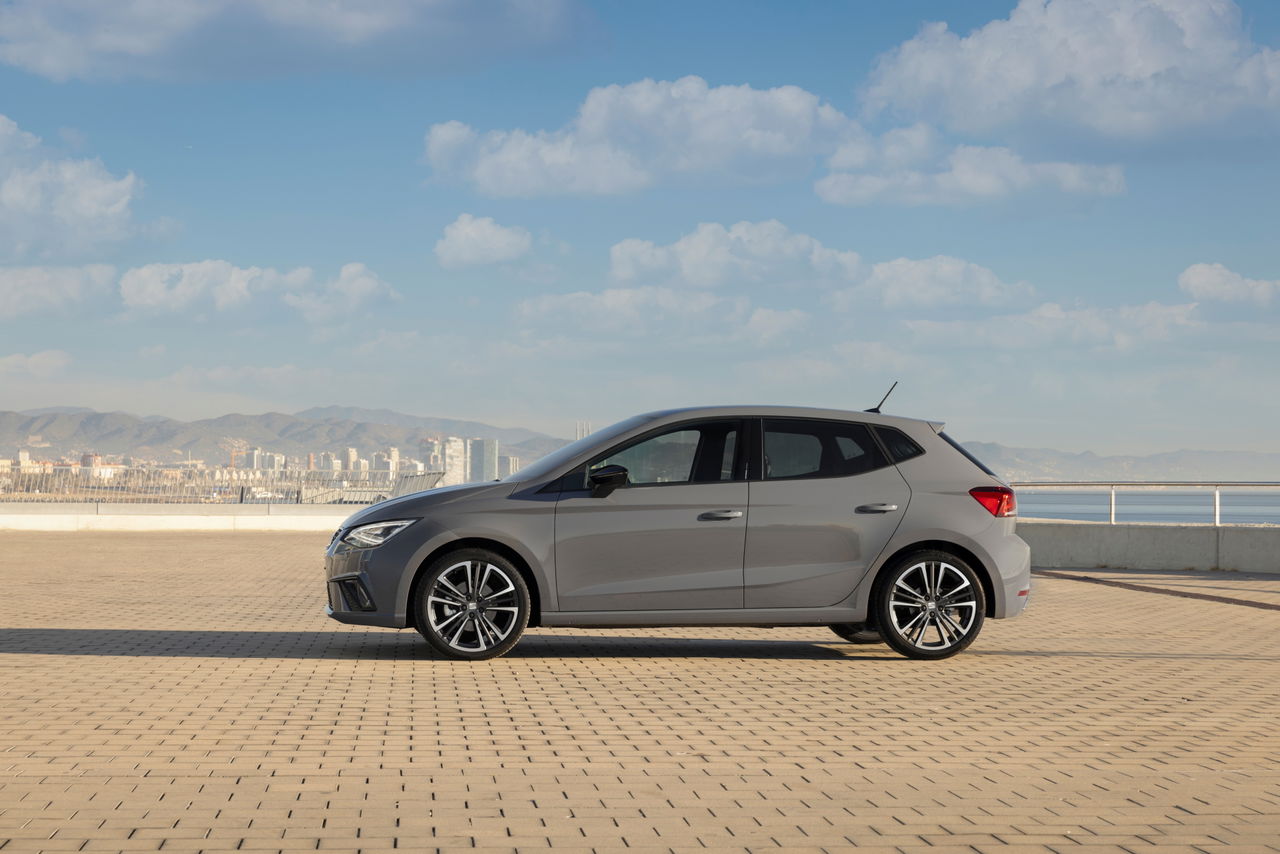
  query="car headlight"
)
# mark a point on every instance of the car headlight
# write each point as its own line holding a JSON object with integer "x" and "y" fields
{"x": 375, "y": 533}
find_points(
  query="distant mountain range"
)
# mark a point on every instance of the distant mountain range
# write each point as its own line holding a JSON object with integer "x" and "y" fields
{"x": 70, "y": 431}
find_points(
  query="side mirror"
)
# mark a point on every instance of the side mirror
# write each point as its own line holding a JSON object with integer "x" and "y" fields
{"x": 607, "y": 479}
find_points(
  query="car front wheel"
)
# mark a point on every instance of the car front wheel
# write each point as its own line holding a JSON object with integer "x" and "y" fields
{"x": 930, "y": 606}
{"x": 472, "y": 604}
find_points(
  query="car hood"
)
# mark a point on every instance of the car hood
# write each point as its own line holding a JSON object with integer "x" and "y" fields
{"x": 418, "y": 503}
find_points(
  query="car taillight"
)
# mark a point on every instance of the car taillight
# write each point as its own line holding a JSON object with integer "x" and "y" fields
{"x": 999, "y": 500}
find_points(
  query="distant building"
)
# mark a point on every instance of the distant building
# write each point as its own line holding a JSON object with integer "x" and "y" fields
{"x": 483, "y": 461}
{"x": 431, "y": 452}
{"x": 352, "y": 457}
{"x": 329, "y": 462}
{"x": 508, "y": 465}
{"x": 253, "y": 458}
{"x": 456, "y": 460}
{"x": 393, "y": 460}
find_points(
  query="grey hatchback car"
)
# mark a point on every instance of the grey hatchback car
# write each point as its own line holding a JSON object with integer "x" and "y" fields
{"x": 880, "y": 527}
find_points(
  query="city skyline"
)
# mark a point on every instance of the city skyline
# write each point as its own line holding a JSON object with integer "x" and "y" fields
{"x": 539, "y": 215}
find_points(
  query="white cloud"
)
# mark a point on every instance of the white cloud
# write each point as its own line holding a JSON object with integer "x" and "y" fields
{"x": 766, "y": 325}
{"x": 355, "y": 286}
{"x": 470, "y": 241}
{"x": 1216, "y": 282}
{"x": 174, "y": 287}
{"x": 49, "y": 204}
{"x": 64, "y": 39}
{"x": 635, "y": 311}
{"x": 1052, "y": 326}
{"x": 625, "y": 137}
{"x": 178, "y": 287}
{"x": 28, "y": 290}
{"x": 968, "y": 174}
{"x": 40, "y": 365}
{"x": 712, "y": 255}
{"x": 1124, "y": 68}
{"x": 934, "y": 282}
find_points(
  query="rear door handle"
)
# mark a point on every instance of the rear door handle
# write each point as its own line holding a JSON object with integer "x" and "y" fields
{"x": 877, "y": 508}
{"x": 719, "y": 515}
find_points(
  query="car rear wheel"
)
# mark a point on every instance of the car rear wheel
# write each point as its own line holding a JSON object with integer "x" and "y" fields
{"x": 472, "y": 604}
{"x": 930, "y": 606}
{"x": 857, "y": 633}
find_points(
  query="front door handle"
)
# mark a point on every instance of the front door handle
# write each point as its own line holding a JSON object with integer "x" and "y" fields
{"x": 876, "y": 508}
{"x": 719, "y": 515}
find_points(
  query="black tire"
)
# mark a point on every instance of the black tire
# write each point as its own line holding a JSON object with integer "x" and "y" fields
{"x": 929, "y": 605}
{"x": 472, "y": 604}
{"x": 857, "y": 633}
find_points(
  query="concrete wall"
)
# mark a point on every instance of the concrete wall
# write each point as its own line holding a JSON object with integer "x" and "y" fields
{"x": 173, "y": 517}
{"x": 1151, "y": 546}
{"x": 1053, "y": 543}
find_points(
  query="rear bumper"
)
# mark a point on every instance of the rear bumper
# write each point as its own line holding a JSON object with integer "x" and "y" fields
{"x": 1011, "y": 560}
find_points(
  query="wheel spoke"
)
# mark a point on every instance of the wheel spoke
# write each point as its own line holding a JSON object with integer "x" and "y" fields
{"x": 920, "y": 630}
{"x": 453, "y": 641}
{"x": 449, "y": 619}
{"x": 439, "y": 595}
{"x": 497, "y": 633}
{"x": 449, "y": 586}
{"x": 956, "y": 630}
{"x": 906, "y": 588}
{"x": 919, "y": 616}
{"x": 512, "y": 608}
{"x": 484, "y": 579}
{"x": 481, "y": 631}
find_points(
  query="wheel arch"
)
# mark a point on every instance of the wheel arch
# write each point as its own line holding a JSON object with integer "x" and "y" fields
{"x": 499, "y": 548}
{"x": 984, "y": 573}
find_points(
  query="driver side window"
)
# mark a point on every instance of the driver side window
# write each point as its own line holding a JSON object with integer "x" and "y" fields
{"x": 698, "y": 453}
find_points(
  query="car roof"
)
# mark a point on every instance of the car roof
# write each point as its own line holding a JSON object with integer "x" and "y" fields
{"x": 763, "y": 411}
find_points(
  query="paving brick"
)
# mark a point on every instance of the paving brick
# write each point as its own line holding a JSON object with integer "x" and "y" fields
{"x": 185, "y": 692}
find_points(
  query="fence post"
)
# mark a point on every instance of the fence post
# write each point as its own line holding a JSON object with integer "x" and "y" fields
{"x": 1217, "y": 505}
{"x": 1113, "y": 505}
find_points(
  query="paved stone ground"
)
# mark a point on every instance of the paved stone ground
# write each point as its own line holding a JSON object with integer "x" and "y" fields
{"x": 184, "y": 692}
{"x": 1254, "y": 587}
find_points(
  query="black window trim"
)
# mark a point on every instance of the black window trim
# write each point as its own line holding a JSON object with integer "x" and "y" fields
{"x": 757, "y": 464}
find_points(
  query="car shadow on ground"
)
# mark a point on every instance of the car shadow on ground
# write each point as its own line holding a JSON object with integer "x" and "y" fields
{"x": 384, "y": 645}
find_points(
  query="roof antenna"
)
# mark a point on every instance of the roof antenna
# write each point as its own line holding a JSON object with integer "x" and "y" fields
{"x": 876, "y": 408}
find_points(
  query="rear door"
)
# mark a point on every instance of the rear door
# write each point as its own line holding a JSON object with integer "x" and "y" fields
{"x": 824, "y": 508}
{"x": 672, "y": 539}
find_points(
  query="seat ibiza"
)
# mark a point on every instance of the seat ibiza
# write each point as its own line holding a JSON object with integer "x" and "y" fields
{"x": 880, "y": 527}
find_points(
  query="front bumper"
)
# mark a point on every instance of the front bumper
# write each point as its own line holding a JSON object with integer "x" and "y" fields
{"x": 363, "y": 585}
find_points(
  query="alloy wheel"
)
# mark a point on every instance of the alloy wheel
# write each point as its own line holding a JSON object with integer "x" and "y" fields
{"x": 473, "y": 606}
{"x": 933, "y": 606}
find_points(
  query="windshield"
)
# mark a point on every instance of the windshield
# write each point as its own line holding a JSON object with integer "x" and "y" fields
{"x": 551, "y": 462}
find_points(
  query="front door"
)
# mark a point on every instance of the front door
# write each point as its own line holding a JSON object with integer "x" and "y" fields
{"x": 672, "y": 539}
{"x": 825, "y": 508}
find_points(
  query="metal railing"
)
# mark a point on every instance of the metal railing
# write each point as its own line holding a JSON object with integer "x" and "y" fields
{"x": 1251, "y": 502}
{"x": 116, "y": 485}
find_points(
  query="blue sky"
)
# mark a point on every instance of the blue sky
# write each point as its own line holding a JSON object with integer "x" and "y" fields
{"x": 1054, "y": 222}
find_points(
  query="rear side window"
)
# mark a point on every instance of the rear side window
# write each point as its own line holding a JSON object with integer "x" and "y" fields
{"x": 970, "y": 457}
{"x": 900, "y": 445}
{"x": 795, "y": 448}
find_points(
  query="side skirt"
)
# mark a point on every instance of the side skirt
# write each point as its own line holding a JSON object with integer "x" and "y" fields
{"x": 760, "y": 617}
